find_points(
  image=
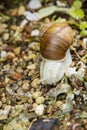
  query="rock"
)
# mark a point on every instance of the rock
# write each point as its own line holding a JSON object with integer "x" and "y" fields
{"x": 3, "y": 99}
{"x": 5, "y": 36}
{"x": 3, "y": 28}
{"x": 13, "y": 27}
{"x": 39, "y": 110}
{"x": 21, "y": 10}
{"x": 30, "y": 67}
{"x": 25, "y": 86}
{"x": 7, "y": 80}
{"x": 20, "y": 91}
{"x": 15, "y": 86}
{"x": 4, "y": 113}
{"x": 34, "y": 4}
{"x": 16, "y": 75}
{"x": 59, "y": 3}
{"x": 14, "y": 12}
{"x": 31, "y": 55}
{"x": 28, "y": 94}
{"x": 35, "y": 82}
{"x": 36, "y": 94}
{"x": 40, "y": 100}
{"x": 10, "y": 56}
{"x": 35, "y": 32}
{"x": 17, "y": 51}
{"x": 35, "y": 46}
{"x": 85, "y": 42}
{"x": 45, "y": 124}
{"x": 3, "y": 54}
{"x": 31, "y": 16}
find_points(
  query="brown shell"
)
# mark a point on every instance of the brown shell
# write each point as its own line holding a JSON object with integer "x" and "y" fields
{"x": 55, "y": 41}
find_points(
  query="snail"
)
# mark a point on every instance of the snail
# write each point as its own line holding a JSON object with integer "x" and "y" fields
{"x": 55, "y": 52}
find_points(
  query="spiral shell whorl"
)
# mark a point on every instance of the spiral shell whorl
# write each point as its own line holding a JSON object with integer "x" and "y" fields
{"x": 55, "y": 41}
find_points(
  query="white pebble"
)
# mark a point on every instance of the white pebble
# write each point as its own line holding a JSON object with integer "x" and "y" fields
{"x": 35, "y": 32}
{"x": 31, "y": 16}
{"x": 60, "y": 3}
{"x": 3, "y": 54}
{"x": 34, "y": 4}
{"x": 85, "y": 42}
{"x": 39, "y": 110}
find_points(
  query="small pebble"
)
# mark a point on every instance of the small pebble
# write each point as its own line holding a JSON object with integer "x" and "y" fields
{"x": 21, "y": 10}
{"x": 35, "y": 46}
{"x": 25, "y": 86}
{"x": 7, "y": 67}
{"x": 9, "y": 102}
{"x": 5, "y": 36}
{"x": 40, "y": 100}
{"x": 35, "y": 82}
{"x": 31, "y": 16}
{"x": 30, "y": 100}
{"x": 35, "y": 32}
{"x": 26, "y": 58}
{"x": 10, "y": 56}
{"x": 15, "y": 86}
{"x": 30, "y": 67}
{"x": 20, "y": 91}
{"x": 34, "y": 4}
{"x": 31, "y": 55}
{"x": 19, "y": 69}
{"x": 4, "y": 113}
{"x": 17, "y": 51}
{"x": 85, "y": 42}
{"x": 3, "y": 28}
{"x": 3, "y": 100}
{"x": 35, "y": 105}
{"x": 59, "y": 3}
{"x": 7, "y": 80}
{"x": 16, "y": 75}
{"x": 36, "y": 94}
{"x": 28, "y": 94}
{"x": 39, "y": 110}
{"x": 14, "y": 12}
{"x": 3, "y": 54}
{"x": 13, "y": 27}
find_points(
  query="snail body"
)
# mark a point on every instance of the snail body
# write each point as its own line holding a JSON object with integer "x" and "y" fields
{"x": 54, "y": 49}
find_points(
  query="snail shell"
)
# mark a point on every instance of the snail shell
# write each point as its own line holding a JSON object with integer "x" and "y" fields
{"x": 55, "y": 41}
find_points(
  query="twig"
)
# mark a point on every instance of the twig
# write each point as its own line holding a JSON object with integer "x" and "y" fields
{"x": 4, "y": 16}
{"x": 84, "y": 58}
{"x": 73, "y": 49}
